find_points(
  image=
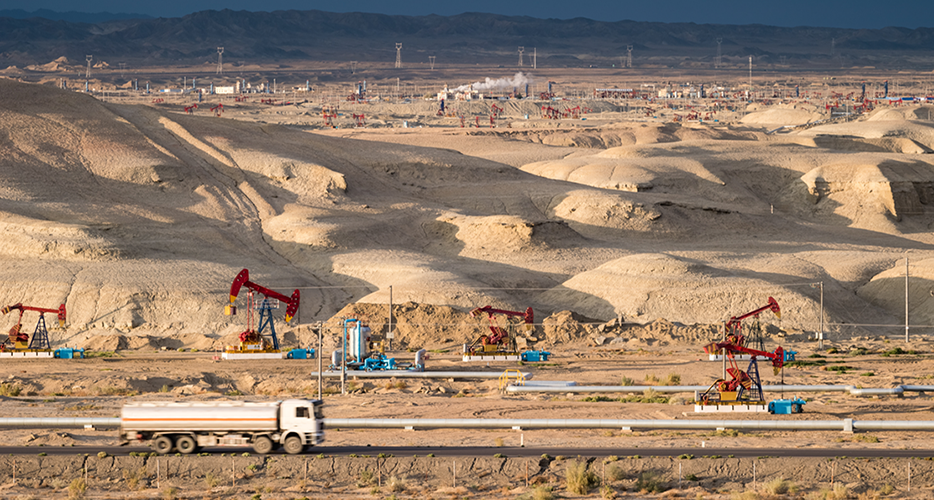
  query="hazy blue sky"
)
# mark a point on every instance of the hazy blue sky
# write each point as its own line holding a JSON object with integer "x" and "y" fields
{"x": 829, "y": 13}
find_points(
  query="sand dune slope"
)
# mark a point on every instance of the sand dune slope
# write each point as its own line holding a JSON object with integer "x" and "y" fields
{"x": 138, "y": 218}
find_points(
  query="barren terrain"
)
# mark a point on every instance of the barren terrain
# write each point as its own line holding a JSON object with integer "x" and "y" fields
{"x": 631, "y": 235}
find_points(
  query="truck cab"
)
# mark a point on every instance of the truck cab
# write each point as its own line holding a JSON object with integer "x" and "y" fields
{"x": 304, "y": 418}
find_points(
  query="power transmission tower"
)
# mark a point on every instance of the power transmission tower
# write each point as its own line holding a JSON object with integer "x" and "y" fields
{"x": 833, "y": 43}
{"x": 719, "y": 53}
{"x": 629, "y": 56}
{"x": 88, "y": 75}
{"x": 398, "y": 55}
{"x": 220, "y": 60}
{"x": 431, "y": 61}
{"x": 521, "y": 50}
{"x": 353, "y": 67}
{"x": 535, "y": 58}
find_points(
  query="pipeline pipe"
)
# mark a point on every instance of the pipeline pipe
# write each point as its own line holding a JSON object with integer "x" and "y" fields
{"x": 57, "y": 422}
{"x": 491, "y": 423}
{"x": 415, "y": 374}
{"x": 486, "y": 423}
{"x": 894, "y": 391}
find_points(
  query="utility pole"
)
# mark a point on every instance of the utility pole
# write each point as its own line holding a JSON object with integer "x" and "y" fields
{"x": 719, "y": 53}
{"x": 906, "y": 296}
{"x": 535, "y": 58}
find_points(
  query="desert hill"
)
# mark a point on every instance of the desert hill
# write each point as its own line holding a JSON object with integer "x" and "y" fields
{"x": 461, "y": 39}
{"x": 138, "y": 218}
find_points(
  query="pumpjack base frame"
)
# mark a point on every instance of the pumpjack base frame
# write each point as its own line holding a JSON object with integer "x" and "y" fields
{"x": 27, "y": 353}
{"x": 737, "y": 357}
{"x": 498, "y": 356}
{"x": 233, "y": 355}
{"x": 732, "y": 408}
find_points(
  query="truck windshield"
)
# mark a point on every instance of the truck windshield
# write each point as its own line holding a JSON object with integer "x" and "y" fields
{"x": 301, "y": 412}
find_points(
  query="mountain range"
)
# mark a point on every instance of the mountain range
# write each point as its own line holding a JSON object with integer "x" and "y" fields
{"x": 465, "y": 38}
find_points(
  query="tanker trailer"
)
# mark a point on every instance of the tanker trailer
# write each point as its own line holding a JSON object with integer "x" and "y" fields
{"x": 187, "y": 427}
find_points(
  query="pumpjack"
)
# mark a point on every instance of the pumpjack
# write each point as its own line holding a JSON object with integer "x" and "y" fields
{"x": 254, "y": 342}
{"x": 19, "y": 342}
{"x": 500, "y": 344}
{"x": 743, "y": 391}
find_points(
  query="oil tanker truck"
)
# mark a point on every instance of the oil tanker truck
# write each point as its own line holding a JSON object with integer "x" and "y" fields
{"x": 293, "y": 424}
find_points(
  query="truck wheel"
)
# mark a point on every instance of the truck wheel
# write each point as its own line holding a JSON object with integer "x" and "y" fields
{"x": 185, "y": 445}
{"x": 262, "y": 445}
{"x": 162, "y": 445}
{"x": 796, "y": 408}
{"x": 293, "y": 445}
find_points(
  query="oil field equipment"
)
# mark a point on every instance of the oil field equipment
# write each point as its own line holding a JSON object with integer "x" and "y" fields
{"x": 500, "y": 344}
{"x": 254, "y": 344}
{"x": 20, "y": 344}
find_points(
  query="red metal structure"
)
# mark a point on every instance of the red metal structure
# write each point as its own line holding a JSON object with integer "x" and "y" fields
{"x": 329, "y": 114}
{"x": 264, "y": 307}
{"x": 499, "y": 339}
{"x": 495, "y": 110}
{"x": 191, "y": 109}
{"x": 40, "y": 339}
{"x": 359, "y": 120}
{"x": 744, "y": 387}
{"x": 217, "y": 110}
{"x": 734, "y": 326}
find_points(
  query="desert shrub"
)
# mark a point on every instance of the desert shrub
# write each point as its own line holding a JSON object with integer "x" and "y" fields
{"x": 77, "y": 489}
{"x": 396, "y": 484}
{"x": 498, "y": 442}
{"x": 779, "y": 486}
{"x": 886, "y": 489}
{"x": 651, "y": 378}
{"x": 580, "y": 478}
{"x": 133, "y": 477}
{"x": 649, "y": 482}
{"x": 607, "y": 492}
{"x": 839, "y": 492}
{"x": 366, "y": 479}
{"x": 648, "y": 396}
{"x": 58, "y": 483}
{"x": 615, "y": 472}
{"x": 170, "y": 493}
{"x": 672, "y": 379}
{"x": 211, "y": 481}
{"x": 626, "y": 381}
{"x": 10, "y": 390}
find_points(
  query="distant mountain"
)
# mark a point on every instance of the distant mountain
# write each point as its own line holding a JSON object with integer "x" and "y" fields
{"x": 71, "y": 16}
{"x": 465, "y": 38}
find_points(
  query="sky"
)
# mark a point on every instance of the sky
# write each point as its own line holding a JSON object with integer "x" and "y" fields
{"x": 818, "y": 13}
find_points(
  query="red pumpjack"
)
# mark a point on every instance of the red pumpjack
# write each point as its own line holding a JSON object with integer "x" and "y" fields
{"x": 500, "y": 340}
{"x": 255, "y": 336}
{"x": 40, "y": 339}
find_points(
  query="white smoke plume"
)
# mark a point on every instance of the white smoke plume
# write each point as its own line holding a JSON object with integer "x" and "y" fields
{"x": 518, "y": 80}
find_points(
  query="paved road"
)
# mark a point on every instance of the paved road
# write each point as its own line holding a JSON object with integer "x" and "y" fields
{"x": 471, "y": 451}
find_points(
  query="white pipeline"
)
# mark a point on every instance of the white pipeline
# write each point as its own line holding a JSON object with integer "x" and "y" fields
{"x": 856, "y": 391}
{"x": 519, "y": 424}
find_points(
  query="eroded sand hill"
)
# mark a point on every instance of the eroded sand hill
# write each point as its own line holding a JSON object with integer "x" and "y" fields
{"x": 138, "y": 217}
